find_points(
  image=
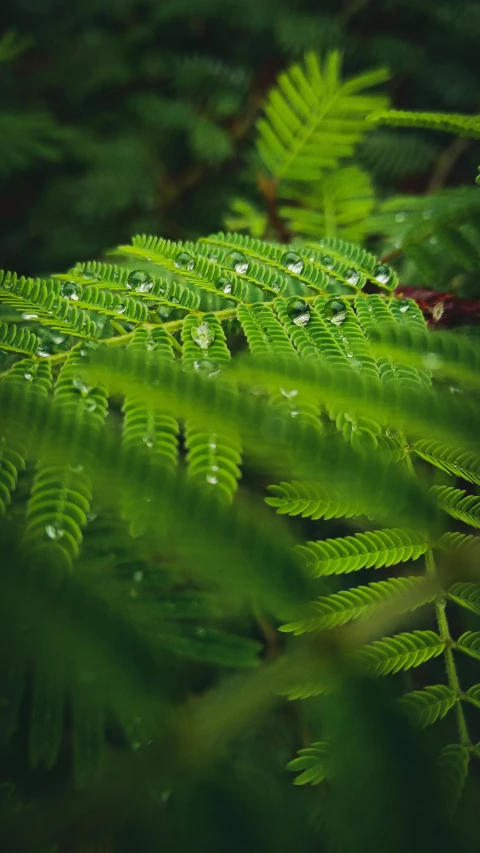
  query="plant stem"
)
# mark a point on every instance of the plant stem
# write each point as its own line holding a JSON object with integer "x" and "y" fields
{"x": 450, "y": 666}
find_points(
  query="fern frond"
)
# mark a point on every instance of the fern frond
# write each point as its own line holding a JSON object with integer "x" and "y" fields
{"x": 313, "y": 119}
{"x": 60, "y": 498}
{"x": 373, "y": 549}
{"x": 459, "y": 463}
{"x": 466, "y": 595}
{"x": 316, "y": 267}
{"x": 263, "y": 331}
{"x": 213, "y": 455}
{"x": 310, "y": 501}
{"x": 453, "y": 764}
{"x": 12, "y": 453}
{"x": 461, "y": 125}
{"x": 14, "y": 339}
{"x": 425, "y": 707}
{"x": 458, "y": 504}
{"x": 469, "y": 644}
{"x": 340, "y": 607}
{"x": 44, "y": 300}
{"x": 400, "y": 652}
{"x": 147, "y": 430}
{"x": 318, "y": 457}
{"x": 313, "y": 762}
{"x": 337, "y": 206}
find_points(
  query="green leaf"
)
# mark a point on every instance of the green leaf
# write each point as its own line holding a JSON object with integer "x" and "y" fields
{"x": 360, "y": 602}
{"x": 373, "y": 549}
{"x": 313, "y": 762}
{"x": 466, "y": 595}
{"x": 313, "y": 119}
{"x": 400, "y": 652}
{"x": 426, "y": 706}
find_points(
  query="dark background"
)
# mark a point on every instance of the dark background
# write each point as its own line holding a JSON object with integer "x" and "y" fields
{"x": 118, "y": 116}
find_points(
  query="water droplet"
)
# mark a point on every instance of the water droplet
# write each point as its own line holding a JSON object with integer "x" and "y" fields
{"x": 336, "y": 311}
{"x": 148, "y": 440}
{"x": 29, "y": 316}
{"x": 76, "y": 469}
{"x": 299, "y": 312}
{"x": 71, "y": 290}
{"x": 151, "y": 345}
{"x": 224, "y": 284}
{"x": 382, "y": 274}
{"x": 352, "y": 276}
{"x": 44, "y": 353}
{"x": 54, "y": 531}
{"x": 120, "y": 308}
{"x": 207, "y": 367}
{"x": 293, "y": 261}
{"x": 400, "y": 217}
{"x": 184, "y": 261}
{"x": 162, "y": 289}
{"x": 90, "y": 405}
{"x": 293, "y": 413}
{"x": 138, "y": 576}
{"x": 289, "y": 394}
{"x": 140, "y": 281}
{"x": 404, "y": 305}
{"x": 237, "y": 261}
{"x": 28, "y": 376}
{"x": 277, "y": 284}
{"x": 90, "y": 273}
{"x": 212, "y": 479}
{"x": 203, "y": 335}
{"x": 212, "y": 257}
{"x": 175, "y": 300}
{"x": 327, "y": 261}
{"x": 81, "y": 385}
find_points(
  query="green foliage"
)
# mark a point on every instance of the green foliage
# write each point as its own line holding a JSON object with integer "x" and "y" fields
{"x": 205, "y": 441}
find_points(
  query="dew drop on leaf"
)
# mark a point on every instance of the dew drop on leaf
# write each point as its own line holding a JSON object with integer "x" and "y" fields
{"x": 335, "y": 311}
{"x": 29, "y": 316}
{"x": 54, "y": 531}
{"x": 299, "y": 312}
{"x": 224, "y": 284}
{"x": 120, "y": 308}
{"x": 382, "y": 274}
{"x": 206, "y": 367}
{"x": 203, "y": 335}
{"x": 404, "y": 305}
{"x": 81, "y": 385}
{"x": 184, "y": 261}
{"x": 352, "y": 276}
{"x": 237, "y": 261}
{"x": 90, "y": 273}
{"x": 293, "y": 261}
{"x": 140, "y": 281}
{"x": 327, "y": 261}
{"x": 71, "y": 290}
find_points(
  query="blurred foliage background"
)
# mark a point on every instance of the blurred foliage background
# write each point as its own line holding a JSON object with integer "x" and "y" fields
{"x": 118, "y": 116}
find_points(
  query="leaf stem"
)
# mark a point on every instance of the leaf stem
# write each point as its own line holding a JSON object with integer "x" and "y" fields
{"x": 450, "y": 666}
